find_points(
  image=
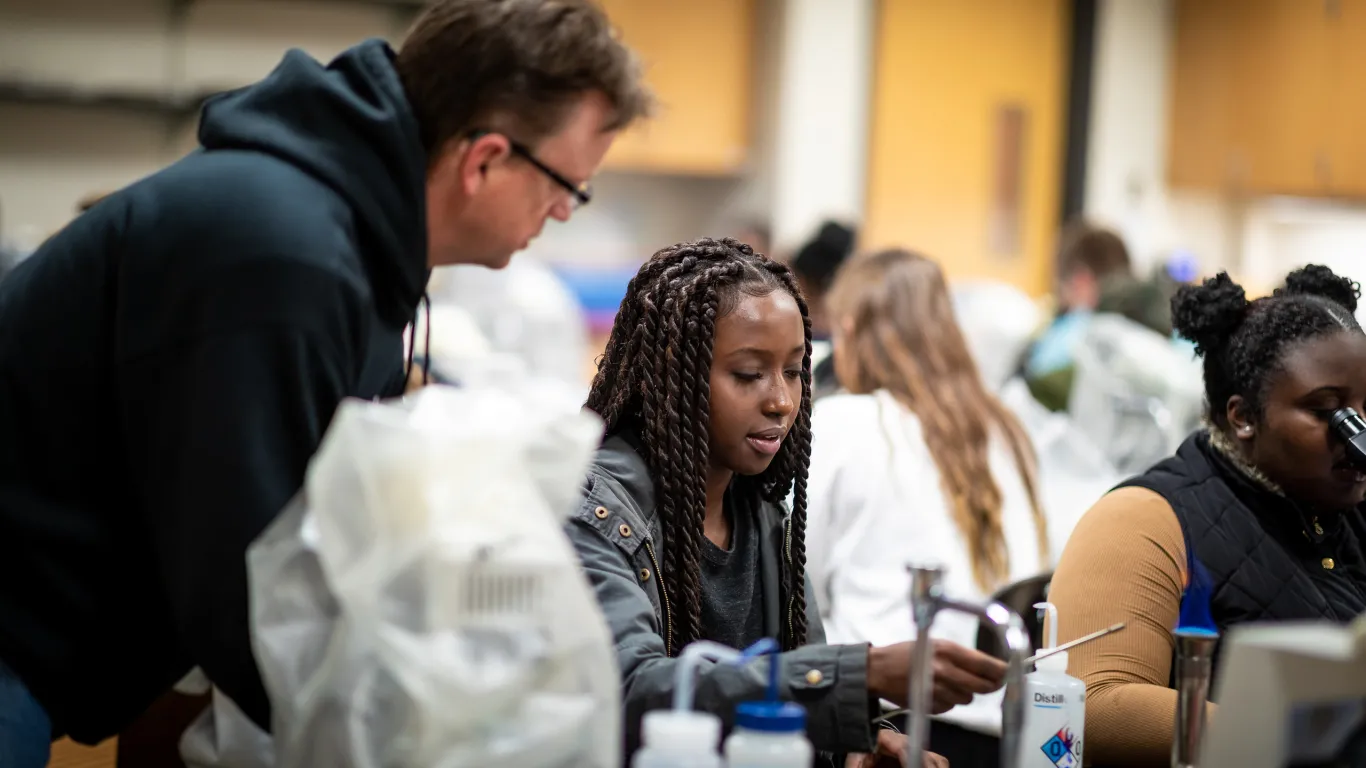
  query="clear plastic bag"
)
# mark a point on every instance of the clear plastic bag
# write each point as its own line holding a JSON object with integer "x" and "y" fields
{"x": 419, "y": 605}
{"x": 1136, "y": 394}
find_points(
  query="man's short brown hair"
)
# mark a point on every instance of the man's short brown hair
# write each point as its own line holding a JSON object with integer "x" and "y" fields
{"x": 1097, "y": 250}
{"x": 522, "y": 63}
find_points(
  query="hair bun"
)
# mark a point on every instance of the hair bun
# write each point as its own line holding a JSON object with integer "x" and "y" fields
{"x": 1209, "y": 313}
{"x": 822, "y": 256}
{"x": 836, "y": 237}
{"x": 1318, "y": 280}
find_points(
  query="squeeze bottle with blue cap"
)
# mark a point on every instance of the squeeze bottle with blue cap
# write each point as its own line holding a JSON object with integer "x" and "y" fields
{"x": 770, "y": 733}
{"x": 680, "y": 737}
{"x": 1055, "y": 707}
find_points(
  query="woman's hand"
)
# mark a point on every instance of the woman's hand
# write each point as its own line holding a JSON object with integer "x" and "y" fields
{"x": 891, "y": 753}
{"x": 959, "y": 674}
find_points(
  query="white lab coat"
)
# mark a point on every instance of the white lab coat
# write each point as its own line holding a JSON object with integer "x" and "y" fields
{"x": 875, "y": 503}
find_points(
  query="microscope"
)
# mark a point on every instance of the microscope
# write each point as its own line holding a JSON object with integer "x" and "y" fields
{"x": 1348, "y": 425}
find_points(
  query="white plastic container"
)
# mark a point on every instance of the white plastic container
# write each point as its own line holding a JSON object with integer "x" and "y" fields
{"x": 679, "y": 739}
{"x": 769, "y": 734}
{"x": 1055, "y": 714}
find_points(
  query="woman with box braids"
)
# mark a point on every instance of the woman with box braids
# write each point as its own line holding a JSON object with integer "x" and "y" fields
{"x": 705, "y": 388}
{"x": 654, "y": 381}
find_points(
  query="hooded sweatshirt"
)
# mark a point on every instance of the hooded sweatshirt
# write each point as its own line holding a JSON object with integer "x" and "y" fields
{"x": 168, "y": 365}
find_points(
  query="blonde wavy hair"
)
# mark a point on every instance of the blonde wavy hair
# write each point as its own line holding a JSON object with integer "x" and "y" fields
{"x": 897, "y": 332}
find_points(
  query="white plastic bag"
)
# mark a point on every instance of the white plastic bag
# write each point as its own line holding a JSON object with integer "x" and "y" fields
{"x": 1136, "y": 393}
{"x": 224, "y": 737}
{"x": 419, "y": 605}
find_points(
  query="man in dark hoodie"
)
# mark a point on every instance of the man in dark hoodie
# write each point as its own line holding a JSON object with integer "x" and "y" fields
{"x": 212, "y": 316}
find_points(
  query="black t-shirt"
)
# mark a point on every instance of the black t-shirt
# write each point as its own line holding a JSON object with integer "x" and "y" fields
{"x": 732, "y": 597}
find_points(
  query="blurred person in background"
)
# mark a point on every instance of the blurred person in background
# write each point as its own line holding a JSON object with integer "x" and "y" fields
{"x": 1260, "y": 510}
{"x": 916, "y": 460}
{"x": 815, "y": 265}
{"x": 1090, "y": 258}
{"x": 1132, "y": 386}
{"x": 212, "y": 316}
{"x": 1148, "y": 301}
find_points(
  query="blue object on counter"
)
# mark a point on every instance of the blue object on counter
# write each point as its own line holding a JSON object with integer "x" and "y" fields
{"x": 770, "y": 715}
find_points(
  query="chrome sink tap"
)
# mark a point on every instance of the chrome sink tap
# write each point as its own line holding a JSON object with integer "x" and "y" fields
{"x": 1194, "y": 666}
{"x": 927, "y": 600}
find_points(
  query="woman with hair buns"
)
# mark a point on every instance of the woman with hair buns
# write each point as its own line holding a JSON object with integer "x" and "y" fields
{"x": 1263, "y": 499}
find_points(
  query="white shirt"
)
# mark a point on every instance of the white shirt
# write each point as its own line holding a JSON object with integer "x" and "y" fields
{"x": 876, "y": 503}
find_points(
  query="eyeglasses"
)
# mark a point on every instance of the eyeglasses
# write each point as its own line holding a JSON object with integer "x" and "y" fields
{"x": 580, "y": 194}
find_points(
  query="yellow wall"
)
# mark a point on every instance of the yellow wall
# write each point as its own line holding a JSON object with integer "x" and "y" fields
{"x": 698, "y": 60}
{"x": 943, "y": 69}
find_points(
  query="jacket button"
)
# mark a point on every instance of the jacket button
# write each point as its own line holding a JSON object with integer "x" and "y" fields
{"x": 644, "y": 574}
{"x": 625, "y": 530}
{"x": 601, "y": 513}
{"x": 814, "y": 677}
{"x": 1328, "y": 563}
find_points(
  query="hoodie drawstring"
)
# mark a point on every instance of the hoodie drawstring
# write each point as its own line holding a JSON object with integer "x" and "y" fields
{"x": 425, "y": 303}
{"x": 427, "y": 340}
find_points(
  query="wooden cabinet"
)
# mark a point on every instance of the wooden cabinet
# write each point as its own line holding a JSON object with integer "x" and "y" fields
{"x": 1200, "y": 152}
{"x": 1348, "y": 127}
{"x": 1267, "y": 97}
{"x": 698, "y": 60}
{"x": 965, "y": 158}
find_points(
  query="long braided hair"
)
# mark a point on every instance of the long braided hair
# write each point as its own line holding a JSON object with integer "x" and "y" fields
{"x": 653, "y": 381}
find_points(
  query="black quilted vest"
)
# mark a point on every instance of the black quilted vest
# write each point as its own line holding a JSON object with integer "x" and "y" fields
{"x": 1266, "y": 556}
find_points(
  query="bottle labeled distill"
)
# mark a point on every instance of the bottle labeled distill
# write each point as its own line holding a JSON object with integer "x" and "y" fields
{"x": 1055, "y": 712}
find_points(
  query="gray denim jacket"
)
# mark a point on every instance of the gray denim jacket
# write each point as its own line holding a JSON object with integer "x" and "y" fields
{"x": 618, "y": 538}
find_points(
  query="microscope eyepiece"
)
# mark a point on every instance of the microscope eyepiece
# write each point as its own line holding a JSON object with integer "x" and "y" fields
{"x": 1347, "y": 422}
{"x": 1348, "y": 425}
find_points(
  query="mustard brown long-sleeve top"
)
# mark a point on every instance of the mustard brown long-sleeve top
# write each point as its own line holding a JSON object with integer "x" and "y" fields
{"x": 1125, "y": 561}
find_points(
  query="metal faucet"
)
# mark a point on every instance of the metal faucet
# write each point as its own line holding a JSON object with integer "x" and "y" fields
{"x": 927, "y": 600}
{"x": 1194, "y": 663}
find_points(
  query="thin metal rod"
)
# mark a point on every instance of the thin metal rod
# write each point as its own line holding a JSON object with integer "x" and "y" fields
{"x": 926, "y": 593}
{"x": 1010, "y": 630}
{"x": 1098, "y": 634}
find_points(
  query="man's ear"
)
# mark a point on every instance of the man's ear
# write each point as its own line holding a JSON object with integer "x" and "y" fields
{"x": 466, "y": 161}
{"x": 1240, "y": 418}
